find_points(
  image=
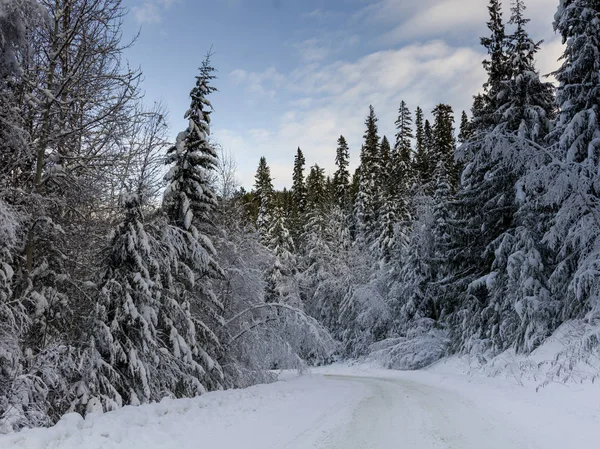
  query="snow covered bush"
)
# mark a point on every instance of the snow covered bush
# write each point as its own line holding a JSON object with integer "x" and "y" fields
{"x": 424, "y": 344}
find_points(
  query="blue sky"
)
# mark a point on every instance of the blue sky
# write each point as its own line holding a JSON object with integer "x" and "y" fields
{"x": 300, "y": 73}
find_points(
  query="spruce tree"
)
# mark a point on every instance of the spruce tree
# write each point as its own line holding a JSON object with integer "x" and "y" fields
{"x": 316, "y": 197}
{"x": 496, "y": 67}
{"x": 487, "y": 213}
{"x": 341, "y": 177}
{"x": 297, "y": 207}
{"x": 425, "y": 160}
{"x": 298, "y": 186}
{"x": 388, "y": 202}
{"x": 444, "y": 143}
{"x": 263, "y": 192}
{"x": 527, "y": 103}
{"x": 190, "y": 314}
{"x": 124, "y": 356}
{"x": 367, "y": 200}
{"x": 420, "y": 160}
{"x": 281, "y": 284}
{"x": 466, "y": 130}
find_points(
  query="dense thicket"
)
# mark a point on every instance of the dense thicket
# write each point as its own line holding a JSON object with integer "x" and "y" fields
{"x": 477, "y": 240}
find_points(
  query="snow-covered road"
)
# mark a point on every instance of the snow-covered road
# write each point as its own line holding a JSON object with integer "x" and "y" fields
{"x": 342, "y": 408}
{"x": 399, "y": 413}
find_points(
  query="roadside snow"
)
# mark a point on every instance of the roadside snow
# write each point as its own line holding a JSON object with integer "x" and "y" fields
{"x": 264, "y": 416}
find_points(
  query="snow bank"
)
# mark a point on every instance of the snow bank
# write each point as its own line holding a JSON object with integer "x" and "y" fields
{"x": 570, "y": 356}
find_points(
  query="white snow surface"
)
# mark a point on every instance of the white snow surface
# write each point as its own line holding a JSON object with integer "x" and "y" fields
{"x": 346, "y": 407}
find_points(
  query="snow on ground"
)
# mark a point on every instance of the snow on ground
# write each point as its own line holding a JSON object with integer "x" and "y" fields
{"x": 347, "y": 407}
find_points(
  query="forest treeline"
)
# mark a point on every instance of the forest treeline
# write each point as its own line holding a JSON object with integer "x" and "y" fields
{"x": 132, "y": 268}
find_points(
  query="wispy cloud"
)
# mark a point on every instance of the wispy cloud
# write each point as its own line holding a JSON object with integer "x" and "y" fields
{"x": 151, "y": 11}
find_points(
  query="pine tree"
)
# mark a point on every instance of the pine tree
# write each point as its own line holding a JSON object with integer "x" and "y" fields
{"x": 388, "y": 202}
{"x": 316, "y": 197}
{"x": 367, "y": 200}
{"x": 444, "y": 143}
{"x": 263, "y": 192}
{"x": 527, "y": 103}
{"x": 298, "y": 187}
{"x": 420, "y": 160}
{"x": 297, "y": 209}
{"x": 125, "y": 357}
{"x": 466, "y": 130}
{"x": 488, "y": 216}
{"x": 496, "y": 67}
{"x": 280, "y": 279}
{"x": 188, "y": 194}
{"x": 341, "y": 177}
{"x": 190, "y": 313}
{"x": 426, "y": 158}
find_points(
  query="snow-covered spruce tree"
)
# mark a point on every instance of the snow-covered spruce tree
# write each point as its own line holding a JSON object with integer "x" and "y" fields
{"x": 425, "y": 159}
{"x": 264, "y": 195}
{"x": 316, "y": 251}
{"x": 388, "y": 204}
{"x": 124, "y": 358}
{"x": 281, "y": 277}
{"x": 569, "y": 181}
{"x": 341, "y": 177}
{"x": 496, "y": 67}
{"x": 444, "y": 142}
{"x": 402, "y": 175}
{"x": 486, "y": 206}
{"x": 298, "y": 196}
{"x": 299, "y": 187}
{"x": 466, "y": 129}
{"x": 420, "y": 161}
{"x": 190, "y": 315}
{"x": 366, "y": 204}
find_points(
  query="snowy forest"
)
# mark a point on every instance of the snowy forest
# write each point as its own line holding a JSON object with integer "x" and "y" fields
{"x": 133, "y": 268}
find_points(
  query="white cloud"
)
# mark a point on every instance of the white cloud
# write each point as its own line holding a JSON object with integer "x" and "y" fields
{"x": 265, "y": 83}
{"x": 147, "y": 13}
{"x": 327, "y": 45}
{"x": 426, "y": 19}
{"x": 151, "y": 11}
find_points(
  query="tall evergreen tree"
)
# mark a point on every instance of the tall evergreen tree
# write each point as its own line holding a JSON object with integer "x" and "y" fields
{"x": 444, "y": 143}
{"x": 264, "y": 192}
{"x": 420, "y": 160}
{"x": 466, "y": 130}
{"x": 367, "y": 200}
{"x": 489, "y": 218}
{"x": 298, "y": 186}
{"x": 496, "y": 67}
{"x": 341, "y": 177}
{"x": 190, "y": 313}
{"x": 425, "y": 160}
{"x": 280, "y": 278}
{"x": 388, "y": 201}
{"x": 297, "y": 208}
{"x": 316, "y": 189}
